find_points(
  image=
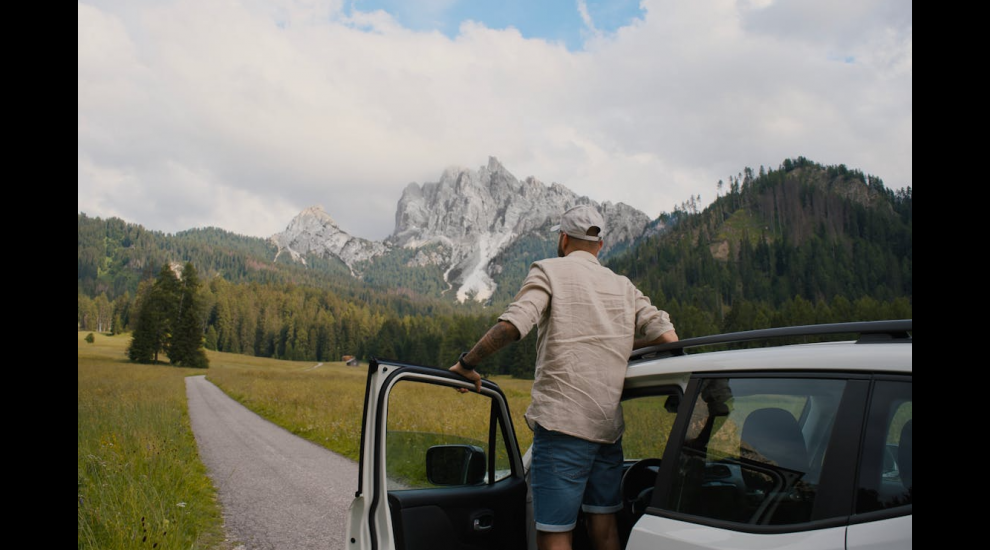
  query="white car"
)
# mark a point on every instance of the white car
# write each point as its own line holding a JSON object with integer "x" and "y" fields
{"x": 793, "y": 446}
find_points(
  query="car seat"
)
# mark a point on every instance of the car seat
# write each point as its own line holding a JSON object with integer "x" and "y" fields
{"x": 772, "y": 439}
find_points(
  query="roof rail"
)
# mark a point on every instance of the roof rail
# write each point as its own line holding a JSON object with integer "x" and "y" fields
{"x": 869, "y": 331}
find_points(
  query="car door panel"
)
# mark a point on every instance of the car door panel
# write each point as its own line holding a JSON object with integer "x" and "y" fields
{"x": 652, "y": 532}
{"x": 460, "y": 518}
{"x": 886, "y": 534}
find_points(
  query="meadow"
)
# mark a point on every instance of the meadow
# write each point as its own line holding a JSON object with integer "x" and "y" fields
{"x": 141, "y": 482}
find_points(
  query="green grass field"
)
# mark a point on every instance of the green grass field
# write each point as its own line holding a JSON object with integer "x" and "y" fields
{"x": 140, "y": 480}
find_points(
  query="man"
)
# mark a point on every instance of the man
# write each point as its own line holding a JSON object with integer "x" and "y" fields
{"x": 588, "y": 320}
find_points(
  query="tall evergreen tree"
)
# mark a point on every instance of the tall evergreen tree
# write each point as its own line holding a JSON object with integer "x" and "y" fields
{"x": 156, "y": 313}
{"x": 185, "y": 347}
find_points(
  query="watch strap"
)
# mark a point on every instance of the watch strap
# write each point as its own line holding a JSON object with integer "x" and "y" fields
{"x": 464, "y": 363}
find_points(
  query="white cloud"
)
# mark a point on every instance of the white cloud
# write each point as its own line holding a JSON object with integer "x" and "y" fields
{"x": 239, "y": 115}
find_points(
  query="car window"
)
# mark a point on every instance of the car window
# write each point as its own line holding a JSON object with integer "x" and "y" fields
{"x": 648, "y": 423}
{"x": 503, "y": 464}
{"x": 886, "y": 468}
{"x": 754, "y": 449}
{"x": 421, "y": 416}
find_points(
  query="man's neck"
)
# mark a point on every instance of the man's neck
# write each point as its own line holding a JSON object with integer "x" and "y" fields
{"x": 576, "y": 250}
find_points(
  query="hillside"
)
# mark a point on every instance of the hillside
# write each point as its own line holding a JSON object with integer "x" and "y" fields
{"x": 803, "y": 231}
{"x": 114, "y": 256}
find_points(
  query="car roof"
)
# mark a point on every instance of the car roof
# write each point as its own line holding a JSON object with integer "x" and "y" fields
{"x": 829, "y": 356}
{"x": 883, "y": 347}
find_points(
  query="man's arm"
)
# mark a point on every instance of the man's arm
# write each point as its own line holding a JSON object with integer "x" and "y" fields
{"x": 500, "y": 335}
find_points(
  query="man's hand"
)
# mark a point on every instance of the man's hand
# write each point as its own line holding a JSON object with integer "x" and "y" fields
{"x": 501, "y": 333}
{"x": 469, "y": 374}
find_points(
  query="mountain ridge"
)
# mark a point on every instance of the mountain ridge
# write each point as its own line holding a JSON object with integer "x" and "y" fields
{"x": 801, "y": 229}
{"x": 798, "y": 244}
{"x": 465, "y": 220}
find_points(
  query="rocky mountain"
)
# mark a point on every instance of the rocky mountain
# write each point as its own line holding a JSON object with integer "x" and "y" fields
{"x": 313, "y": 231}
{"x": 461, "y": 224}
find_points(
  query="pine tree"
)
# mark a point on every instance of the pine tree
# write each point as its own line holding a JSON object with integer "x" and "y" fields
{"x": 155, "y": 318}
{"x": 211, "y": 338}
{"x": 185, "y": 347}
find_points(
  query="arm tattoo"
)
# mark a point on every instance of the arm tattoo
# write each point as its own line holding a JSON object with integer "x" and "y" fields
{"x": 500, "y": 335}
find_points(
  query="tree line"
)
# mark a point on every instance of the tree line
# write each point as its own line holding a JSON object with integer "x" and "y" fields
{"x": 301, "y": 323}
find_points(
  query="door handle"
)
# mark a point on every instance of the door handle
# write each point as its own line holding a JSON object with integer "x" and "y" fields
{"x": 484, "y": 522}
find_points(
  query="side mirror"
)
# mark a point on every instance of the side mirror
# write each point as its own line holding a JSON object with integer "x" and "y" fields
{"x": 671, "y": 403}
{"x": 455, "y": 465}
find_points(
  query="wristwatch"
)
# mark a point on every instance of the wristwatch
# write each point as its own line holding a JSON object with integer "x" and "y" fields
{"x": 464, "y": 363}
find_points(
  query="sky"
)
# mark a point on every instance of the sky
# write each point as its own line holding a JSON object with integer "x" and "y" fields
{"x": 239, "y": 114}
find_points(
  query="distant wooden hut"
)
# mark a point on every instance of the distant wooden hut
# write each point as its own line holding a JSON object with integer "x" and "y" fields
{"x": 349, "y": 360}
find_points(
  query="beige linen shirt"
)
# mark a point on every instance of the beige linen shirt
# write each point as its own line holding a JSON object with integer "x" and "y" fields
{"x": 587, "y": 319}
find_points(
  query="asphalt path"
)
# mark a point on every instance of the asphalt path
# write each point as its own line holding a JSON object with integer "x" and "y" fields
{"x": 278, "y": 491}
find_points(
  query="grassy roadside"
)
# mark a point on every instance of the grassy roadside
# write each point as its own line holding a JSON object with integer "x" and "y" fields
{"x": 140, "y": 481}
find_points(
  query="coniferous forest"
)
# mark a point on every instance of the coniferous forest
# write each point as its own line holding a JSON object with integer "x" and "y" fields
{"x": 799, "y": 244}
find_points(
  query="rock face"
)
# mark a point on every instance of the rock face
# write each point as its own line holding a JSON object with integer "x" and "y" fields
{"x": 314, "y": 231}
{"x": 465, "y": 219}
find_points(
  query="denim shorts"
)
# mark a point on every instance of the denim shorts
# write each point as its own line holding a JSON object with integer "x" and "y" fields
{"x": 568, "y": 473}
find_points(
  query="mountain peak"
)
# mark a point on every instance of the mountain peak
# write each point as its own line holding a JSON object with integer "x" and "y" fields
{"x": 313, "y": 231}
{"x": 317, "y": 212}
{"x": 474, "y": 216}
{"x": 494, "y": 165}
{"x": 470, "y": 217}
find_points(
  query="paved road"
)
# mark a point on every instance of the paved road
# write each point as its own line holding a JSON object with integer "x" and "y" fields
{"x": 278, "y": 491}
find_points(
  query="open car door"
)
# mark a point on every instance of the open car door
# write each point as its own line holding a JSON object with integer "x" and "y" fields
{"x": 438, "y": 468}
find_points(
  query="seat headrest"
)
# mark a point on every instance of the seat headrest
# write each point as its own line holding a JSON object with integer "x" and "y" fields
{"x": 775, "y": 434}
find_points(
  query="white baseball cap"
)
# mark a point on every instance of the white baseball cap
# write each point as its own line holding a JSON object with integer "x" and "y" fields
{"x": 577, "y": 221}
